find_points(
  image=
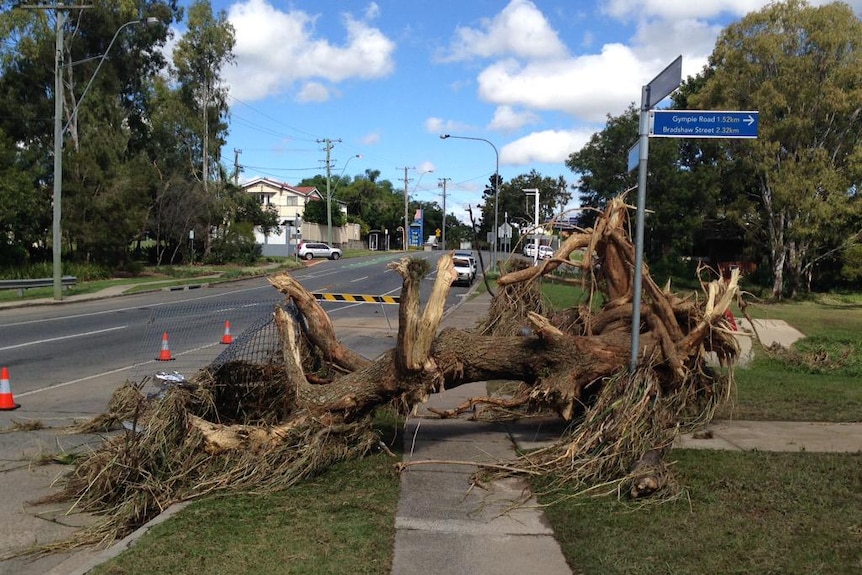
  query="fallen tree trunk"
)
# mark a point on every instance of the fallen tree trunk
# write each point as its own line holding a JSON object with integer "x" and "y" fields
{"x": 571, "y": 362}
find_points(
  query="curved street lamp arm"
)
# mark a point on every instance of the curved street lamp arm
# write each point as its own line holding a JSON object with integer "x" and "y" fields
{"x": 148, "y": 21}
{"x": 496, "y": 187}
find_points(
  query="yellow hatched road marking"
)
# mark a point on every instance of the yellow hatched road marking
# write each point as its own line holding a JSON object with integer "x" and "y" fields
{"x": 356, "y": 298}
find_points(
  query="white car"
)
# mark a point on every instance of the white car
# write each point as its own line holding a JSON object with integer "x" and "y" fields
{"x": 311, "y": 250}
{"x": 530, "y": 250}
{"x": 467, "y": 255}
{"x": 464, "y": 271}
{"x": 546, "y": 252}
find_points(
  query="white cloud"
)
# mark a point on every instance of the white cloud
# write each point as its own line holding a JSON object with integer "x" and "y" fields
{"x": 591, "y": 86}
{"x": 549, "y": 146}
{"x": 587, "y": 87}
{"x": 440, "y": 126}
{"x": 372, "y": 11}
{"x": 694, "y": 39}
{"x": 673, "y": 10}
{"x": 275, "y": 49}
{"x": 680, "y": 9}
{"x": 520, "y": 29}
{"x": 313, "y": 92}
{"x": 507, "y": 118}
{"x": 370, "y": 139}
{"x": 425, "y": 168}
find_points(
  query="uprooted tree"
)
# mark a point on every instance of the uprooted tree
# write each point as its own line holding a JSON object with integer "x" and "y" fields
{"x": 241, "y": 425}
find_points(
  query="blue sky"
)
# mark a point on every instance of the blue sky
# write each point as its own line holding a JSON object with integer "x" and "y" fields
{"x": 386, "y": 78}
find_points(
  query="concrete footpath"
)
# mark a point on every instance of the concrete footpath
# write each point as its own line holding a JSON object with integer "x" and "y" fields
{"x": 444, "y": 523}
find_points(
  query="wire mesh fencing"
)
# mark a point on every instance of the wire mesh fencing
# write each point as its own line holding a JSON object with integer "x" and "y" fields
{"x": 180, "y": 340}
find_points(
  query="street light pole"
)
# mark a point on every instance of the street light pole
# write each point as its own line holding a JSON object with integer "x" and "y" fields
{"x": 406, "y": 215}
{"x": 59, "y": 129}
{"x": 496, "y": 188}
{"x": 442, "y": 184}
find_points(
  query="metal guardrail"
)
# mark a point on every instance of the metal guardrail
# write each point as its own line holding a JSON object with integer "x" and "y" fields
{"x": 21, "y": 285}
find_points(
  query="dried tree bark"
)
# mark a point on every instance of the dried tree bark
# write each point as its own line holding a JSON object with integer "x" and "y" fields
{"x": 564, "y": 360}
{"x": 572, "y": 362}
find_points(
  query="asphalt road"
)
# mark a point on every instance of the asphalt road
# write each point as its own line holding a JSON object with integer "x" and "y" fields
{"x": 71, "y": 356}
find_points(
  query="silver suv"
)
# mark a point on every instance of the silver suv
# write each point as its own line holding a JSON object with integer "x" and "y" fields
{"x": 311, "y": 250}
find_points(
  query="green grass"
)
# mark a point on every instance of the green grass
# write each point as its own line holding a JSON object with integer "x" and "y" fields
{"x": 828, "y": 316}
{"x": 156, "y": 278}
{"x": 339, "y": 522}
{"x": 771, "y": 390}
{"x": 742, "y": 513}
{"x": 819, "y": 378}
{"x": 764, "y": 513}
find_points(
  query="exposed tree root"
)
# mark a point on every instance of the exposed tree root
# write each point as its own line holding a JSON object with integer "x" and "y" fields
{"x": 244, "y": 426}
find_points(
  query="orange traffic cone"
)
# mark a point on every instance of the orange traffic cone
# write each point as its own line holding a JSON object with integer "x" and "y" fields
{"x": 227, "y": 338}
{"x": 165, "y": 353}
{"x": 7, "y": 402}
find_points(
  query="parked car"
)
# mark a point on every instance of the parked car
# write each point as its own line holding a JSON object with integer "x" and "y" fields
{"x": 530, "y": 250}
{"x": 464, "y": 271}
{"x": 467, "y": 255}
{"x": 311, "y": 250}
{"x": 546, "y": 252}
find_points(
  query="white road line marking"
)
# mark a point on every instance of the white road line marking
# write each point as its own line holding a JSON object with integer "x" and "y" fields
{"x": 74, "y": 335}
{"x": 104, "y": 373}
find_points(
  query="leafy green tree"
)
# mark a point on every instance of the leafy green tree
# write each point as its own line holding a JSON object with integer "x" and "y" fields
{"x": 553, "y": 196}
{"x": 104, "y": 178}
{"x": 601, "y": 165}
{"x": 315, "y": 212}
{"x": 200, "y": 56}
{"x": 852, "y": 265}
{"x": 24, "y": 209}
{"x": 372, "y": 203}
{"x": 801, "y": 68}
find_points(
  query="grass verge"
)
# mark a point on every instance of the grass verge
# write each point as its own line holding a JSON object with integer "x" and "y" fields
{"x": 765, "y": 513}
{"x": 339, "y": 522}
{"x": 789, "y": 513}
{"x": 156, "y": 278}
{"x": 769, "y": 389}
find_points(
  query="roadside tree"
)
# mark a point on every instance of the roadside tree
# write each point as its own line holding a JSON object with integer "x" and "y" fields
{"x": 801, "y": 68}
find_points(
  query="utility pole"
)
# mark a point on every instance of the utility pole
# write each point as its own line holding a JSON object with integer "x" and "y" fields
{"x": 406, "y": 215}
{"x": 236, "y": 167}
{"x": 328, "y": 148}
{"x": 442, "y": 184}
{"x": 59, "y": 53}
{"x": 535, "y": 192}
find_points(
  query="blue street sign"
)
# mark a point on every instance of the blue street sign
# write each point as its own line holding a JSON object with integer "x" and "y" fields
{"x": 702, "y": 124}
{"x": 634, "y": 156}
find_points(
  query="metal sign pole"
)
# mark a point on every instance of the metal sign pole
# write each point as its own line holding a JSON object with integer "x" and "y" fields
{"x": 639, "y": 228}
{"x": 651, "y": 94}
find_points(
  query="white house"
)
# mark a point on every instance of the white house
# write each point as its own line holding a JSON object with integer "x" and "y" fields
{"x": 289, "y": 203}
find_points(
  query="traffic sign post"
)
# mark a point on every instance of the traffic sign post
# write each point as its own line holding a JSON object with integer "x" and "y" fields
{"x": 651, "y": 94}
{"x": 671, "y": 124}
{"x": 703, "y": 124}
